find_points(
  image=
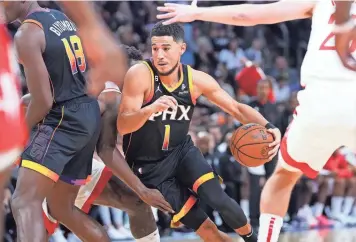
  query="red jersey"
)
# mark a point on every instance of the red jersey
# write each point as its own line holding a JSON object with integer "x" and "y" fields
{"x": 338, "y": 164}
{"x": 13, "y": 131}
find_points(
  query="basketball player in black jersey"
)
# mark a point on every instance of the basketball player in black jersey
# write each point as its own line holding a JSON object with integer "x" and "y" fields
{"x": 63, "y": 120}
{"x": 155, "y": 113}
{"x": 106, "y": 60}
{"x": 115, "y": 193}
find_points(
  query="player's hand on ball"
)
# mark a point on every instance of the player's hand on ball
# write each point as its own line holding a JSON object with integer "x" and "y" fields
{"x": 163, "y": 103}
{"x": 178, "y": 12}
{"x": 343, "y": 48}
{"x": 155, "y": 199}
{"x": 275, "y": 144}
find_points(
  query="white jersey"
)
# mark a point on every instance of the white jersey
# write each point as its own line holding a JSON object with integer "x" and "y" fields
{"x": 321, "y": 60}
{"x": 111, "y": 87}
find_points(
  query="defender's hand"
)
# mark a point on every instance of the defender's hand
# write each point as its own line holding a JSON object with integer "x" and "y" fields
{"x": 178, "y": 12}
{"x": 343, "y": 48}
{"x": 155, "y": 199}
{"x": 275, "y": 144}
{"x": 163, "y": 103}
{"x": 106, "y": 59}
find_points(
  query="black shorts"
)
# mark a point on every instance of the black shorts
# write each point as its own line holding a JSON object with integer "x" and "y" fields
{"x": 63, "y": 144}
{"x": 177, "y": 177}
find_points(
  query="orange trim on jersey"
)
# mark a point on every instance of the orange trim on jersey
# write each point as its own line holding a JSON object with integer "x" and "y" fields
{"x": 150, "y": 96}
{"x": 191, "y": 85}
{"x": 201, "y": 180}
{"x": 40, "y": 169}
{"x": 128, "y": 146}
{"x": 171, "y": 89}
{"x": 32, "y": 21}
{"x": 59, "y": 124}
{"x": 50, "y": 80}
{"x": 184, "y": 211}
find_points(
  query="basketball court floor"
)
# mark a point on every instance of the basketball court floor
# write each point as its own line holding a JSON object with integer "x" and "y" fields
{"x": 337, "y": 235}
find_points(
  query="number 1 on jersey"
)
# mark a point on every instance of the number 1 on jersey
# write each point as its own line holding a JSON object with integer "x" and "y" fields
{"x": 167, "y": 133}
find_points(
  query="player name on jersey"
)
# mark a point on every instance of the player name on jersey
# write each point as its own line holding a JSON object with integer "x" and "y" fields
{"x": 61, "y": 26}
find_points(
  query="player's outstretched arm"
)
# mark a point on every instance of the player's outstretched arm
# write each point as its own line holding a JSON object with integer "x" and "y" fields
{"x": 206, "y": 85}
{"x": 30, "y": 43}
{"x": 107, "y": 60}
{"x": 345, "y": 30}
{"x": 86, "y": 16}
{"x": 241, "y": 15}
{"x": 131, "y": 116}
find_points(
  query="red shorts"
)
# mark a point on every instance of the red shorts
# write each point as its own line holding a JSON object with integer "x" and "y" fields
{"x": 13, "y": 132}
{"x": 87, "y": 194}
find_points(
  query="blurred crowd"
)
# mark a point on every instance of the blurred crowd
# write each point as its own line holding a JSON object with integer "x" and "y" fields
{"x": 258, "y": 66}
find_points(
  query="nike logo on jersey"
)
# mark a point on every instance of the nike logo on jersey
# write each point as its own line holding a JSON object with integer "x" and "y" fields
{"x": 181, "y": 113}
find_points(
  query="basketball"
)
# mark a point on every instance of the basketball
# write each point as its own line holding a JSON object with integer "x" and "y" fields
{"x": 249, "y": 145}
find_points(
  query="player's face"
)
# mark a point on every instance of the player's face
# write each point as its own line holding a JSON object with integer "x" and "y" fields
{"x": 263, "y": 89}
{"x": 166, "y": 54}
{"x": 12, "y": 10}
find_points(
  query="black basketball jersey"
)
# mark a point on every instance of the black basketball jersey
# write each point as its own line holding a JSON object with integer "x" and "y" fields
{"x": 63, "y": 54}
{"x": 163, "y": 131}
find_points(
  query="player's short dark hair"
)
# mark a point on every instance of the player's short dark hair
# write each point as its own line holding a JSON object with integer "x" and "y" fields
{"x": 132, "y": 53}
{"x": 175, "y": 30}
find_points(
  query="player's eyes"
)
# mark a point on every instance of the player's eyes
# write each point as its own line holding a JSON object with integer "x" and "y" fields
{"x": 166, "y": 49}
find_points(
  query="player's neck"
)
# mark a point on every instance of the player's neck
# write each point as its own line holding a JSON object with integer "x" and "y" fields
{"x": 32, "y": 7}
{"x": 172, "y": 79}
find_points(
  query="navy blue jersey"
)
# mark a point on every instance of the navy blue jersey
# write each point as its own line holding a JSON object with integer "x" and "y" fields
{"x": 63, "y": 54}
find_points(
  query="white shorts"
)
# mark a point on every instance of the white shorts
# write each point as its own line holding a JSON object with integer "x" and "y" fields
{"x": 87, "y": 193}
{"x": 325, "y": 120}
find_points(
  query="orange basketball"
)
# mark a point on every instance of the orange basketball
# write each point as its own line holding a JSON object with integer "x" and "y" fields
{"x": 249, "y": 145}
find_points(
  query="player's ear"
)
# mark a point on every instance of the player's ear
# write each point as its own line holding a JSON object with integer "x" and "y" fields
{"x": 183, "y": 48}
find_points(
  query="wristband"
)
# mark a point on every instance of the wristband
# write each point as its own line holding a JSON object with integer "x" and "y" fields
{"x": 270, "y": 126}
{"x": 345, "y": 27}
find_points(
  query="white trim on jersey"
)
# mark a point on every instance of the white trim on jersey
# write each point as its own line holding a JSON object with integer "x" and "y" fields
{"x": 111, "y": 87}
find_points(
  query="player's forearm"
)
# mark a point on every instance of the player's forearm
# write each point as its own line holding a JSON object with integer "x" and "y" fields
{"x": 342, "y": 12}
{"x": 82, "y": 13}
{"x": 245, "y": 114}
{"x": 36, "y": 112}
{"x": 241, "y": 15}
{"x": 129, "y": 122}
{"x": 121, "y": 169}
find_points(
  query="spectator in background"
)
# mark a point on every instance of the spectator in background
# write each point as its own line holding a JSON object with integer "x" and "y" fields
{"x": 281, "y": 68}
{"x": 188, "y": 56}
{"x": 287, "y": 114}
{"x": 205, "y": 55}
{"x": 258, "y": 175}
{"x": 254, "y": 53}
{"x": 281, "y": 89}
{"x": 128, "y": 36}
{"x": 343, "y": 198}
{"x": 233, "y": 57}
{"x": 219, "y": 36}
{"x": 222, "y": 75}
{"x": 113, "y": 222}
{"x": 262, "y": 103}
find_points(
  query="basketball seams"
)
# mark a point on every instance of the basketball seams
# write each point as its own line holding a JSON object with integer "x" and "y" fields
{"x": 258, "y": 127}
{"x": 239, "y": 150}
{"x": 236, "y": 148}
